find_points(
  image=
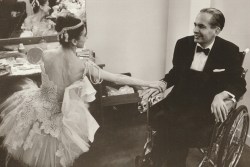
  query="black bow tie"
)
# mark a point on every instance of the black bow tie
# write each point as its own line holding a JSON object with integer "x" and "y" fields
{"x": 200, "y": 49}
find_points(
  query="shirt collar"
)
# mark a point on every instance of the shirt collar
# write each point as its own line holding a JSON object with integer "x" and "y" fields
{"x": 209, "y": 46}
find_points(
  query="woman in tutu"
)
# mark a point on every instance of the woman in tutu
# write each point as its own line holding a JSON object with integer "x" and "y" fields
{"x": 37, "y": 24}
{"x": 51, "y": 126}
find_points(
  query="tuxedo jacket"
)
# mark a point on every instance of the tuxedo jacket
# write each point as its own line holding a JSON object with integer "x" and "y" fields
{"x": 222, "y": 71}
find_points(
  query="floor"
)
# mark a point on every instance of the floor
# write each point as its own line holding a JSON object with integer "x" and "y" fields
{"x": 120, "y": 139}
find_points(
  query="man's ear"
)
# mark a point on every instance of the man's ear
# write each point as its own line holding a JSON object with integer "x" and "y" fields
{"x": 217, "y": 30}
{"x": 74, "y": 42}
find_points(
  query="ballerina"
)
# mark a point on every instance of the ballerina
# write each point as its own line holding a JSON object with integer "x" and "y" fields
{"x": 51, "y": 126}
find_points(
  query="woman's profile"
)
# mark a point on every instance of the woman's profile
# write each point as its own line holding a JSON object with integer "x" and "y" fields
{"x": 51, "y": 126}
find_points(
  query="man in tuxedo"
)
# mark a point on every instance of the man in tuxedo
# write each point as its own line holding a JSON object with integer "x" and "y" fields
{"x": 206, "y": 71}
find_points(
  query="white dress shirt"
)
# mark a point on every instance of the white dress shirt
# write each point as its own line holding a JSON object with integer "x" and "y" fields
{"x": 200, "y": 58}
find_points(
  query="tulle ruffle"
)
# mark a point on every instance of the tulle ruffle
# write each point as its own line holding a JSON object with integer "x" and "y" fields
{"x": 45, "y": 133}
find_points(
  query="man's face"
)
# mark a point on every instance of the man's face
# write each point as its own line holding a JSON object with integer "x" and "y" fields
{"x": 204, "y": 34}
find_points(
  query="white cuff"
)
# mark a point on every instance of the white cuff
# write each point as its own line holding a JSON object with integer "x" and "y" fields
{"x": 231, "y": 95}
{"x": 164, "y": 82}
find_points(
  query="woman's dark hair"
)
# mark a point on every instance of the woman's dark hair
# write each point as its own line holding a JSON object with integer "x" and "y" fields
{"x": 69, "y": 20}
{"x": 217, "y": 19}
{"x": 36, "y": 4}
{"x": 52, "y": 3}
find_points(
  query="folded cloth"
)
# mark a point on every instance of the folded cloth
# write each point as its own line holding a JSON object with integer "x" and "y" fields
{"x": 121, "y": 91}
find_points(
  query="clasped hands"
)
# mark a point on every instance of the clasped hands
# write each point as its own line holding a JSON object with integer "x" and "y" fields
{"x": 157, "y": 87}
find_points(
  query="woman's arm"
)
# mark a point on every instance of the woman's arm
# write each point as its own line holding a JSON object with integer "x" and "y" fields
{"x": 124, "y": 80}
{"x": 97, "y": 73}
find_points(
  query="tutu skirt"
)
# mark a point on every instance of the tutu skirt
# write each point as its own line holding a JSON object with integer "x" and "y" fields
{"x": 40, "y": 131}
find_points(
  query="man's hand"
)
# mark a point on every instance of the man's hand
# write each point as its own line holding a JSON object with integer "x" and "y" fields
{"x": 219, "y": 107}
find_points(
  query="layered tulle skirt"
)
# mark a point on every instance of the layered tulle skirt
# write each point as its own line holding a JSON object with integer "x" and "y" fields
{"x": 42, "y": 132}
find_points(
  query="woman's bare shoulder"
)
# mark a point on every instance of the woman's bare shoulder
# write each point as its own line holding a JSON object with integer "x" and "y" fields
{"x": 50, "y": 55}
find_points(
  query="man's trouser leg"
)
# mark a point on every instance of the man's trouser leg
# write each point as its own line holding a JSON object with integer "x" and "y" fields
{"x": 160, "y": 143}
{"x": 176, "y": 157}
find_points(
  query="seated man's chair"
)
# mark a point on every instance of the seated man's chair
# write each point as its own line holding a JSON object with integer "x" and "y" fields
{"x": 227, "y": 140}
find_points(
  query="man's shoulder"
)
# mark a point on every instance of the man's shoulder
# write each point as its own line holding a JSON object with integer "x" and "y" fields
{"x": 222, "y": 41}
{"x": 186, "y": 40}
{"x": 225, "y": 43}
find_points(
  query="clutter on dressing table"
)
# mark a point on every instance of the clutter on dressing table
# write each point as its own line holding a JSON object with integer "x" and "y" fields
{"x": 19, "y": 67}
{"x": 121, "y": 91}
{"x": 4, "y": 69}
{"x": 17, "y": 64}
{"x": 86, "y": 54}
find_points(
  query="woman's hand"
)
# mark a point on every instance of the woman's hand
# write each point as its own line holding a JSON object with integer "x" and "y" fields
{"x": 159, "y": 85}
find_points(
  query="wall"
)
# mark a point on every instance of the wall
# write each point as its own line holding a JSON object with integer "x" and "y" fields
{"x": 129, "y": 35}
{"x": 180, "y": 23}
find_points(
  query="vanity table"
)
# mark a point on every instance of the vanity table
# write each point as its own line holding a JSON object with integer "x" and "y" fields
{"x": 10, "y": 43}
{"x": 11, "y": 83}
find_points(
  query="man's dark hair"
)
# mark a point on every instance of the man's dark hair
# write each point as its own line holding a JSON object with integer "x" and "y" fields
{"x": 217, "y": 19}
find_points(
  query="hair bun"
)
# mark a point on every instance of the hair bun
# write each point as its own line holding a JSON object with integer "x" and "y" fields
{"x": 66, "y": 19}
{"x": 60, "y": 21}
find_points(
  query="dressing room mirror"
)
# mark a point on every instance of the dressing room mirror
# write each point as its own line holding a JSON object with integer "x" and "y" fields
{"x": 34, "y": 19}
